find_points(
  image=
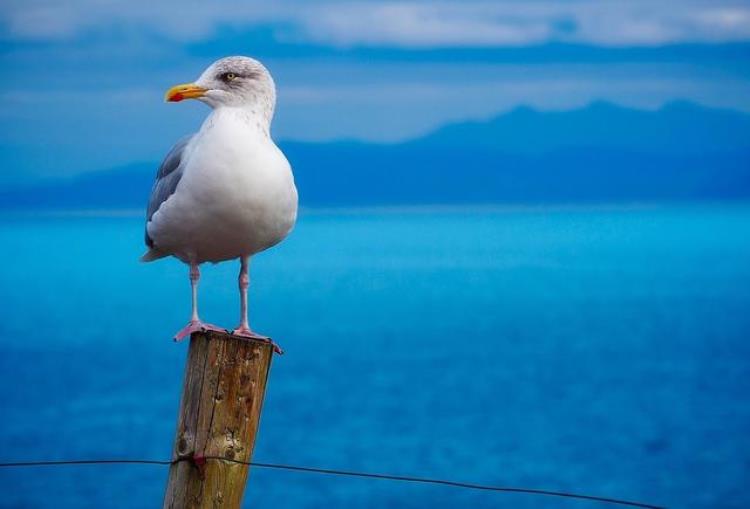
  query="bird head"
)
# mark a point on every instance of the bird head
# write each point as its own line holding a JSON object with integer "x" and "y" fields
{"x": 231, "y": 81}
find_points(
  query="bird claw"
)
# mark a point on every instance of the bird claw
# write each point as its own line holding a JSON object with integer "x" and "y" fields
{"x": 195, "y": 326}
{"x": 246, "y": 332}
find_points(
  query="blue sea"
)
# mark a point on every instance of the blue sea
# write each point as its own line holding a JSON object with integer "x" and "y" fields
{"x": 599, "y": 350}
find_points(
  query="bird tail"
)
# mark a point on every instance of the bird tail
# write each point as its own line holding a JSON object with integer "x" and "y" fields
{"x": 153, "y": 254}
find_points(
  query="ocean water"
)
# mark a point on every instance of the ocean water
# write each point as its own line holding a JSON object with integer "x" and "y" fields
{"x": 604, "y": 351}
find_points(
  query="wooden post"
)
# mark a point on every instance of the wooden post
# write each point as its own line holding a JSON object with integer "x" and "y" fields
{"x": 222, "y": 396}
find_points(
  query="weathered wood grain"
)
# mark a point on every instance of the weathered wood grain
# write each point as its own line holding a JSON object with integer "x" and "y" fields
{"x": 222, "y": 396}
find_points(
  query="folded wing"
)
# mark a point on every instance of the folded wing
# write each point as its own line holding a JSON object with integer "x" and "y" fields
{"x": 167, "y": 177}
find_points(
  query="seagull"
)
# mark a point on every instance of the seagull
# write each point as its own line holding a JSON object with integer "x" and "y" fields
{"x": 227, "y": 191}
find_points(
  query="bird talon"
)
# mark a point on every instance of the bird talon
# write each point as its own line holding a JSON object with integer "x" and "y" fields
{"x": 246, "y": 332}
{"x": 194, "y": 326}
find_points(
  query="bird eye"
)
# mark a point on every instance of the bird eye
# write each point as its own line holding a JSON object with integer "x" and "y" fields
{"x": 228, "y": 76}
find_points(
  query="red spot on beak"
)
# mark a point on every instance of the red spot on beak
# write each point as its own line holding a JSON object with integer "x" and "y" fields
{"x": 175, "y": 98}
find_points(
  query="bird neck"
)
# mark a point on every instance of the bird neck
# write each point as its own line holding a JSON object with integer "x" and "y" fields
{"x": 257, "y": 116}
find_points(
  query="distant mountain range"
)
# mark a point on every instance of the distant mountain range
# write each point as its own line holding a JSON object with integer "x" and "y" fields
{"x": 600, "y": 153}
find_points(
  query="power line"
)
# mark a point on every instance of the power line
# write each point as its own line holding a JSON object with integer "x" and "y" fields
{"x": 54, "y": 463}
{"x": 326, "y": 471}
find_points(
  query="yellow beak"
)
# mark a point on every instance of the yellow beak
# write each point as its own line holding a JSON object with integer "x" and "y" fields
{"x": 184, "y": 91}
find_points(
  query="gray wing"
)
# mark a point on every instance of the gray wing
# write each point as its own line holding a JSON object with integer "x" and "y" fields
{"x": 167, "y": 178}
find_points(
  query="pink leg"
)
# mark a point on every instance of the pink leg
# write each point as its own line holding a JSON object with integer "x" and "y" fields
{"x": 243, "y": 329}
{"x": 195, "y": 324}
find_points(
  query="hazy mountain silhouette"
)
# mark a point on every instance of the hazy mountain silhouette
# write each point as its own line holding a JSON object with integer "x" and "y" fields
{"x": 677, "y": 128}
{"x": 601, "y": 153}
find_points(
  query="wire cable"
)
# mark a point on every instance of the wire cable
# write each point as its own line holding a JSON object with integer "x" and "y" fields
{"x": 328, "y": 471}
{"x": 54, "y": 463}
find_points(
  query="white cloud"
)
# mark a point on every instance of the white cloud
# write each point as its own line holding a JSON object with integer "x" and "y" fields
{"x": 417, "y": 25}
{"x": 180, "y": 20}
{"x": 407, "y": 24}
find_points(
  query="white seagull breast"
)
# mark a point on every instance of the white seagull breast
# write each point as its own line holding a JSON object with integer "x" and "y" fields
{"x": 236, "y": 195}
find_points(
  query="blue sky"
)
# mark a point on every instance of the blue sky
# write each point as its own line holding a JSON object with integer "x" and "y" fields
{"x": 83, "y": 80}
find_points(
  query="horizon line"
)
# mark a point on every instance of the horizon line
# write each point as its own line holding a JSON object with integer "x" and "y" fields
{"x": 397, "y": 209}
